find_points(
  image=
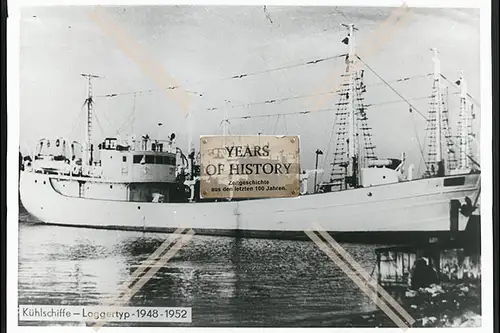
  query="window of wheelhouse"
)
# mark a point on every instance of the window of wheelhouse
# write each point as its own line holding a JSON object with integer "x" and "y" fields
{"x": 158, "y": 159}
{"x": 154, "y": 159}
{"x": 169, "y": 160}
{"x": 137, "y": 159}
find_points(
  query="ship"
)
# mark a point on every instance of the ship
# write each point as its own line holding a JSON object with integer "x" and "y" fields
{"x": 147, "y": 184}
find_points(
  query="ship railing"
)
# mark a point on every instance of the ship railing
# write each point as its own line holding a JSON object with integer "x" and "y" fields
{"x": 149, "y": 145}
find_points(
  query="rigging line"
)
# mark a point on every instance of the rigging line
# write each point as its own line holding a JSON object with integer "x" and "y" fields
{"x": 272, "y": 101}
{"x": 394, "y": 102}
{"x": 322, "y": 110}
{"x": 394, "y": 90}
{"x": 412, "y": 106}
{"x": 99, "y": 123}
{"x": 231, "y": 77}
{"x": 424, "y": 160}
{"x": 141, "y": 92}
{"x": 420, "y": 146}
{"x": 77, "y": 120}
{"x": 130, "y": 118}
{"x": 455, "y": 85}
{"x": 265, "y": 71}
{"x": 127, "y": 122}
{"x": 401, "y": 80}
{"x": 325, "y": 160}
{"x": 280, "y": 114}
{"x": 279, "y": 100}
{"x": 110, "y": 123}
{"x": 146, "y": 91}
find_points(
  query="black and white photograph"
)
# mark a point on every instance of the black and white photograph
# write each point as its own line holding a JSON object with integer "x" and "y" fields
{"x": 252, "y": 165}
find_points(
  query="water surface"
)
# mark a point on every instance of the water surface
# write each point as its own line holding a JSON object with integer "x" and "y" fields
{"x": 226, "y": 281}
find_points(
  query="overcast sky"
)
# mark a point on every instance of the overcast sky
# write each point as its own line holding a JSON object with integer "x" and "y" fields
{"x": 197, "y": 46}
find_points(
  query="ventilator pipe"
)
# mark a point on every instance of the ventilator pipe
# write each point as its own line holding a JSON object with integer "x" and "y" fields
{"x": 303, "y": 190}
{"x": 410, "y": 172}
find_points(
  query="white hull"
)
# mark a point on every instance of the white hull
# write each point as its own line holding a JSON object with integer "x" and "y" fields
{"x": 414, "y": 206}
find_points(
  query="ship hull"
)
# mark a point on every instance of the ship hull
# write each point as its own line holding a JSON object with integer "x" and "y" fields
{"x": 419, "y": 206}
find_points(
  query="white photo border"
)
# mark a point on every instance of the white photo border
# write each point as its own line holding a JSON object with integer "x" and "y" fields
{"x": 13, "y": 82}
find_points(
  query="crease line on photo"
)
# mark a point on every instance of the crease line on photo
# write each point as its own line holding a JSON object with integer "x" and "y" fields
{"x": 361, "y": 278}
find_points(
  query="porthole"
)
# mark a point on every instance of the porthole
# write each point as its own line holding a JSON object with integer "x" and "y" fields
{"x": 369, "y": 194}
{"x": 36, "y": 181}
{"x": 44, "y": 182}
{"x": 139, "y": 207}
{"x": 383, "y": 177}
{"x": 110, "y": 186}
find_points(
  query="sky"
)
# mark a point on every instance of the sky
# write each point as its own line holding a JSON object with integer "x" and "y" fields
{"x": 196, "y": 47}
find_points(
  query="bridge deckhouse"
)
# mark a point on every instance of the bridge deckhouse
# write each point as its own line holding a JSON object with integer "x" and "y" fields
{"x": 137, "y": 161}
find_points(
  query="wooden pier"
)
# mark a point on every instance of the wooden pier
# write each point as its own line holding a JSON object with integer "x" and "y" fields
{"x": 454, "y": 257}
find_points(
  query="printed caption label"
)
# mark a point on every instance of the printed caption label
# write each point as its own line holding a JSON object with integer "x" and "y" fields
{"x": 95, "y": 314}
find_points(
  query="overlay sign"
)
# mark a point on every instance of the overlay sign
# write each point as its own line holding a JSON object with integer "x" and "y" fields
{"x": 249, "y": 166}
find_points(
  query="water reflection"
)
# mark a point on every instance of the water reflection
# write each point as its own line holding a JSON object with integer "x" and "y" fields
{"x": 227, "y": 281}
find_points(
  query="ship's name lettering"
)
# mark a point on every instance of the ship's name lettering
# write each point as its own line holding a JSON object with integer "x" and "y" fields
{"x": 248, "y": 169}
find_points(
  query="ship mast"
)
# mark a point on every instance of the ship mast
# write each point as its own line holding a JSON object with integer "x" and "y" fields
{"x": 440, "y": 142}
{"x": 464, "y": 127}
{"x": 87, "y": 149}
{"x": 438, "y": 103}
{"x": 351, "y": 138}
{"x": 353, "y": 146}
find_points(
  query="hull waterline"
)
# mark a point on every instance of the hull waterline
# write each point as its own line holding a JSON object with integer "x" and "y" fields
{"x": 414, "y": 207}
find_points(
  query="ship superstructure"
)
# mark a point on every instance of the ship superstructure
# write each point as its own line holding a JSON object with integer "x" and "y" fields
{"x": 118, "y": 168}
